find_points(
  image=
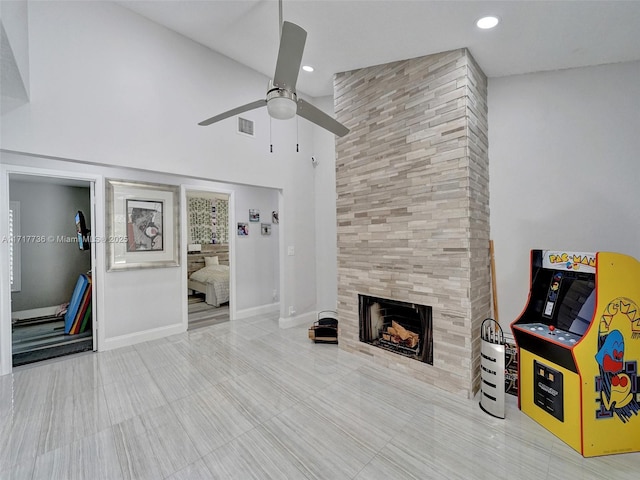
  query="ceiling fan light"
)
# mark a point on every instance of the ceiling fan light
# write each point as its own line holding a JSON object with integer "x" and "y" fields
{"x": 282, "y": 108}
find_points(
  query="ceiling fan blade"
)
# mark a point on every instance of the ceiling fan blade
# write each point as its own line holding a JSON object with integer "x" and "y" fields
{"x": 235, "y": 111}
{"x": 292, "y": 43}
{"x": 317, "y": 116}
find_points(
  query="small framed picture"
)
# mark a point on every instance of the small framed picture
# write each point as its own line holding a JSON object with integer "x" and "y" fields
{"x": 265, "y": 229}
{"x": 274, "y": 217}
{"x": 243, "y": 229}
{"x": 254, "y": 215}
{"x": 144, "y": 225}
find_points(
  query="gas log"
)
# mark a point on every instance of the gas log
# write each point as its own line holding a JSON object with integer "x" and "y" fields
{"x": 396, "y": 333}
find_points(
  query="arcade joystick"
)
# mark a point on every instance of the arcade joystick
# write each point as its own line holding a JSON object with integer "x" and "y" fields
{"x": 552, "y": 330}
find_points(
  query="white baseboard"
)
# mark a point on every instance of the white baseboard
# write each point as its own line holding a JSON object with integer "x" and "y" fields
{"x": 36, "y": 312}
{"x": 303, "y": 319}
{"x": 139, "y": 337}
{"x": 255, "y": 311}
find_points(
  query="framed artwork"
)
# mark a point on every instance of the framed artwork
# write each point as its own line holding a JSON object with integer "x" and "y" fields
{"x": 265, "y": 229}
{"x": 142, "y": 225}
{"x": 254, "y": 215}
{"x": 274, "y": 217}
{"x": 243, "y": 229}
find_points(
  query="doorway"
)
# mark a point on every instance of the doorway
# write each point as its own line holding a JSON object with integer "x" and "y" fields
{"x": 51, "y": 262}
{"x": 208, "y": 258}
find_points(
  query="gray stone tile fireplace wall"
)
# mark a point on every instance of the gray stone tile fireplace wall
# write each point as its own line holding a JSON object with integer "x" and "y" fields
{"x": 413, "y": 206}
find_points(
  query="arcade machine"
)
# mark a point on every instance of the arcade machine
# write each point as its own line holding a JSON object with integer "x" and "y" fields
{"x": 578, "y": 342}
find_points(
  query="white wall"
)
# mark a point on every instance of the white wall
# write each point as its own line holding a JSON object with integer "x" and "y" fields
{"x": 564, "y": 169}
{"x": 256, "y": 255}
{"x": 109, "y": 86}
{"x": 112, "y": 88}
{"x": 15, "y": 70}
{"x": 325, "y": 201}
{"x": 297, "y": 224}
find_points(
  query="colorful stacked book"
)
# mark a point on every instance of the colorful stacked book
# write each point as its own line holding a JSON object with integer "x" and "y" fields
{"x": 78, "y": 316}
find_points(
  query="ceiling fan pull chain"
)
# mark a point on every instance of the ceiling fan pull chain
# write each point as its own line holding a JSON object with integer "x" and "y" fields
{"x": 270, "y": 138}
{"x": 297, "y": 135}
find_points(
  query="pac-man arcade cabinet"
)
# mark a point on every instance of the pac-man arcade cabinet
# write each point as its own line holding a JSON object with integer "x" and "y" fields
{"x": 578, "y": 342}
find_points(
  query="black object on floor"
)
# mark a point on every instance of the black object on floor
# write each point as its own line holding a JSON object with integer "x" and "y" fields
{"x": 325, "y": 329}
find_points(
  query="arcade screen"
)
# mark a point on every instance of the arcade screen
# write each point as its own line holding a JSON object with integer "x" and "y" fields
{"x": 564, "y": 299}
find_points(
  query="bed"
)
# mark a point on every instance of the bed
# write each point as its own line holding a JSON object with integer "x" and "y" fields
{"x": 213, "y": 281}
{"x": 208, "y": 274}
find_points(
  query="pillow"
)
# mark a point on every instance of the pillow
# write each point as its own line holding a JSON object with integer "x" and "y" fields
{"x": 208, "y": 261}
{"x": 216, "y": 268}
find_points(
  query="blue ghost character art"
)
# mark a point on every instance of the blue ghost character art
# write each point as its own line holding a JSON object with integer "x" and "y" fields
{"x": 617, "y": 392}
{"x": 610, "y": 355}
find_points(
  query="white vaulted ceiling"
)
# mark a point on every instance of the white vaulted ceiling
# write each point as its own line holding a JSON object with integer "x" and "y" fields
{"x": 344, "y": 34}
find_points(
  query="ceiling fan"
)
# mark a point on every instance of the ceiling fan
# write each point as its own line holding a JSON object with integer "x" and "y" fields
{"x": 281, "y": 100}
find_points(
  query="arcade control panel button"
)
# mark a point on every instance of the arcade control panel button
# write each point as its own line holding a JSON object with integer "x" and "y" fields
{"x": 551, "y": 332}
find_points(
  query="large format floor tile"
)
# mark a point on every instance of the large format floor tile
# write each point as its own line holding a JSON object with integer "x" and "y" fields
{"x": 257, "y": 455}
{"x": 211, "y": 419}
{"x": 126, "y": 399}
{"x": 153, "y": 445}
{"x": 92, "y": 457}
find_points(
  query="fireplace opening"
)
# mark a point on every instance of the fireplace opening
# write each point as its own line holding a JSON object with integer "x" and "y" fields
{"x": 399, "y": 327}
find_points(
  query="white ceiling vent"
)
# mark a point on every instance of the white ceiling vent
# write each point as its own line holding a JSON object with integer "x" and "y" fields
{"x": 245, "y": 127}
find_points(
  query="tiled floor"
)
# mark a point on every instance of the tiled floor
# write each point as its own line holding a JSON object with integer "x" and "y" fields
{"x": 244, "y": 399}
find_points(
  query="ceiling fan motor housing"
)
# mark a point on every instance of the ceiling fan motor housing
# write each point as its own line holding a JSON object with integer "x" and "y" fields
{"x": 282, "y": 104}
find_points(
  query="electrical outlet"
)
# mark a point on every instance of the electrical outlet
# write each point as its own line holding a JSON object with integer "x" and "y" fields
{"x": 292, "y": 311}
{"x": 275, "y": 295}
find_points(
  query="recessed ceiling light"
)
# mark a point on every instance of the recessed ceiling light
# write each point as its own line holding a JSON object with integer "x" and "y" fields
{"x": 488, "y": 22}
{"x": 307, "y": 68}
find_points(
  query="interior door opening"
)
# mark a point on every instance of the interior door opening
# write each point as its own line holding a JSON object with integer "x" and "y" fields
{"x": 208, "y": 260}
{"x": 51, "y": 263}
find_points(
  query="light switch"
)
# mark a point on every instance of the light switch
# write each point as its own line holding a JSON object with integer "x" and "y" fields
{"x": 291, "y": 251}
